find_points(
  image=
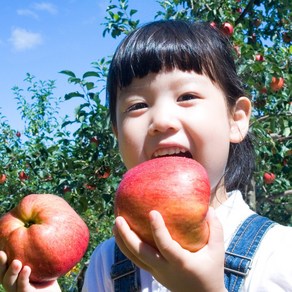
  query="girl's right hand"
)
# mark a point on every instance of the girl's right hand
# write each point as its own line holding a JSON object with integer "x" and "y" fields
{"x": 15, "y": 278}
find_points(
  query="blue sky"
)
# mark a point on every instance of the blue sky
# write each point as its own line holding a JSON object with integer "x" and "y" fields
{"x": 44, "y": 37}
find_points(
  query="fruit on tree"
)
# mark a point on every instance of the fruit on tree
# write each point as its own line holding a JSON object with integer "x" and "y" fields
{"x": 227, "y": 28}
{"x": 66, "y": 189}
{"x": 94, "y": 140}
{"x": 178, "y": 188}
{"x": 18, "y": 134}
{"x": 259, "y": 58}
{"x": 45, "y": 233}
{"x": 269, "y": 177}
{"x": 2, "y": 178}
{"x": 103, "y": 172}
{"x": 277, "y": 83}
{"x": 22, "y": 175}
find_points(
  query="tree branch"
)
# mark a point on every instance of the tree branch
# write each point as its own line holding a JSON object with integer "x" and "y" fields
{"x": 247, "y": 9}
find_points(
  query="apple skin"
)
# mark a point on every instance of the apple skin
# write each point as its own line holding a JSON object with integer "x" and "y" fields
{"x": 269, "y": 177}
{"x": 178, "y": 188}
{"x": 45, "y": 233}
{"x": 277, "y": 83}
{"x": 259, "y": 58}
{"x": 2, "y": 178}
{"x": 22, "y": 175}
{"x": 227, "y": 28}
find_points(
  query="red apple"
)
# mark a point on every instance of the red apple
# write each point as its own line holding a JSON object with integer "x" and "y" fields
{"x": 66, "y": 189}
{"x": 213, "y": 24}
{"x": 269, "y": 177}
{"x": 45, "y": 233}
{"x": 94, "y": 140}
{"x": 90, "y": 187}
{"x": 22, "y": 175}
{"x": 2, "y": 178}
{"x": 277, "y": 83}
{"x": 227, "y": 28}
{"x": 103, "y": 172}
{"x": 178, "y": 188}
{"x": 18, "y": 134}
{"x": 259, "y": 58}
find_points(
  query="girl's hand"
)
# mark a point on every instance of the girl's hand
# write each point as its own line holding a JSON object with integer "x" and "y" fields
{"x": 15, "y": 278}
{"x": 174, "y": 267}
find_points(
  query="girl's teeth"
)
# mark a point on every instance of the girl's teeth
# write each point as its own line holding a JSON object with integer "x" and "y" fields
{"x": 169, "y": 151}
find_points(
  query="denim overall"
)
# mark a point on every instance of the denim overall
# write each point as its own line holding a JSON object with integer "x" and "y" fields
{"x": 238, "y": 258}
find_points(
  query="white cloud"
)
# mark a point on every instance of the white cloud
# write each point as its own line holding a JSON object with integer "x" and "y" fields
{"x": 46, "y": 6}
{"x": 27, "y": 12}
{"x": 23, "y": 39}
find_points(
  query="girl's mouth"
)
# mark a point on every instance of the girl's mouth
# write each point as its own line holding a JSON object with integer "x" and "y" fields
{"x": 172, "y": 151}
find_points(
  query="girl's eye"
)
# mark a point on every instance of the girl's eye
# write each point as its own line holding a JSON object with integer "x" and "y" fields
{"x": 186, "y": 97}
{"x": 136, "y": 106}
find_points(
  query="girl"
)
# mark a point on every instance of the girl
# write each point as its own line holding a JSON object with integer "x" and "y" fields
{"x": 173, "y": 90}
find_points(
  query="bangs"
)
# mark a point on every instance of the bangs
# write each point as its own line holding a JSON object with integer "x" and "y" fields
{"x": 160, "y": 47}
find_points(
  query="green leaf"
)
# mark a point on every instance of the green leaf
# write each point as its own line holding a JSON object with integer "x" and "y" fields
{"x": 68, "y": 72}
{"x": 90, "y": 74}
{"x": 73, "y": 94}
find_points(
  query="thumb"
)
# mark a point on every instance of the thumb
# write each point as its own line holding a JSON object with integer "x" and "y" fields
{"x": 216, "y": 238}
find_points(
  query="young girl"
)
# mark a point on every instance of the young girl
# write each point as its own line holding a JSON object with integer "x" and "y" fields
{"x": 173, "y": 90}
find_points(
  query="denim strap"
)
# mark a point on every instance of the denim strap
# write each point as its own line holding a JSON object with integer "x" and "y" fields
{"x": 241, "y": 250}
{"x": 124, "y": 273}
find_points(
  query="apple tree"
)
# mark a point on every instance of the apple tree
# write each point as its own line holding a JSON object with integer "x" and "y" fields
{"x": 78, "y": 158}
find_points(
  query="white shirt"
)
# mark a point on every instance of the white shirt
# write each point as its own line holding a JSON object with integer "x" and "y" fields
{"x": 272, "y": 265}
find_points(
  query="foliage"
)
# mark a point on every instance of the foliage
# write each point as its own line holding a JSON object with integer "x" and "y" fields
{"x": 84, "y": 166}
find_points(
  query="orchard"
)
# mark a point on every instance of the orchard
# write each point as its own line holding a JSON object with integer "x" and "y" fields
{"x": 83, "y": 165}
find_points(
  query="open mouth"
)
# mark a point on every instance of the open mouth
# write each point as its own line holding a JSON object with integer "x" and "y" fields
{"x": 172, "y": 152}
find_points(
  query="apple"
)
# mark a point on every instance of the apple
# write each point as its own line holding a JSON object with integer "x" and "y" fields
{"x": 259, "y": 58}
{"x": 277, "y": 83}
{"x": 18, "y": 134}
{"x": 45, "y": 233}
{"x": 2, "y": 178}
{"x": 264, "y": 90}
{"x": 178, "y": 188}
{"x": 103, "y": 172}
{"x": 94, "y": 140}
{"x": 227, "y": 28}
{"x": 90, "y": 187}
{"x": 213, "y": 24}
{"x": 22, "y": 175}
{"x": 66, "y": 189}
{"x": 269, "y": 177}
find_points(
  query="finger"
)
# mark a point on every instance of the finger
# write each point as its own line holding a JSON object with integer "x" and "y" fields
{"x": 23, "y": 279}
{"x": 3, "y": 265}
{"x": 131, "y": 245}
{"x": 11, "y": 275}
{"x": 168, "y": 248}
{"x": 216, "y": 238}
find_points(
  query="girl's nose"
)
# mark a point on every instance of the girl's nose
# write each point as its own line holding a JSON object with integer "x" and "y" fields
{"x": 163, "y": 121}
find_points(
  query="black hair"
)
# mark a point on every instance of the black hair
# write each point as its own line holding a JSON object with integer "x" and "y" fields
{"x": 187, "y": 46}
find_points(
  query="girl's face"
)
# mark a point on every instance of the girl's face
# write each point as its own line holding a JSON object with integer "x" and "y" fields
{"x": 172, "y": 113}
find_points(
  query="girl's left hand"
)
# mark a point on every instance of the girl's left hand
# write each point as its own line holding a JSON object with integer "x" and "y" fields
{"x": 174, "y": 267}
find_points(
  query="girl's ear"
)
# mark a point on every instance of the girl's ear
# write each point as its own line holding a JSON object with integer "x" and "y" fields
{"x": 240, "y": 120}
